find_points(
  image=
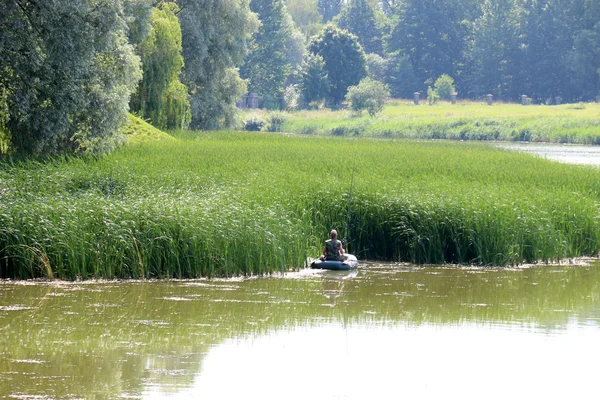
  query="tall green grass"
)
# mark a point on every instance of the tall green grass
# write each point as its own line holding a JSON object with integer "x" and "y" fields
{"x": 226, "y": 203}
{"x": 463, "y": 121}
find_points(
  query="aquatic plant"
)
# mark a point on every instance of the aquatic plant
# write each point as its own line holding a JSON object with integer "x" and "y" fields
{"x": 227, "y": 203}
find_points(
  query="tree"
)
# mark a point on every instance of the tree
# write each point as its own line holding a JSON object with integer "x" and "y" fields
{"x": 444, "y": 86}
{"x": 344, "y": 60}
{"x": 306, "y": 16}
{"x": 496, "y": 52}
{"x": 267, "y": 65}
{"x": 161, "y": 97}
{"x": 400, "y": 76}
{"x": 376, "y": 66}
{"x": 358, "y": 18}
{"x": 214, "y": 35}
{"x": 433, "y": 34}
{"x": 314, "y": 84}
{"x": 66, "y": 73}
{"x": 329, "y": 8}
{"x": 368, "y": 95}
{"x": 584, "y": 62}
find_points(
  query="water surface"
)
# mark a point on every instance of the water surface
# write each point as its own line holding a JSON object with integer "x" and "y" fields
{"x": 383, "y": 331}
{"x": 565, "y": 153}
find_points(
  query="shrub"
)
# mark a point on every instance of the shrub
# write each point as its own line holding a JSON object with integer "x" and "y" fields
{"x": 444, "y": 86}
{"x": 276, "y": 121}
{"x": 432, "y": 96}
{"x": 368, "y": 95}
{"x": 254, "y": 123}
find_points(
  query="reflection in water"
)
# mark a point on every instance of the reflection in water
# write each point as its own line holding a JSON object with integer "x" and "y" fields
{"x": 317, "y": 334}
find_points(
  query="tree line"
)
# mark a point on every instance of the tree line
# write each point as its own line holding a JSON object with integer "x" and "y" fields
{"x": 70, "y": 70}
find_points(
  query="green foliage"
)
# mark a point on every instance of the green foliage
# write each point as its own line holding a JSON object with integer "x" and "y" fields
{"x": 267, "y": 64}
{"x": 344, "y": 60}
{"x": 444, "y": 86}
{"x": 584, "y": 62}
{"x": 161, "y": 97}
{"x": 368, "y": 95}
{"x": 377, "y": 66}
{"x": 276, "y": 121}
{"x": 68, "y": 74}
{"x": 222, "y": 210}
{"x": 358, "y": 18}
{"x": 494, "y": 50}
{"x": 329, "y": 8}
{"x": 433, "y": 34}
{"x": 432, "y": 96}
{"x": 400, "y": 76}
{"x": 214, "y": 34}
{"x": 138, "y": 14}
{"x": 469, "y": 121}
{"x": 254, "y": 123}
{"x": 314, "y": 83}
{"x": 306, "y": 16}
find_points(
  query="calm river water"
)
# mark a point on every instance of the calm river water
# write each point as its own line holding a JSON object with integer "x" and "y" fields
{"x": 383, "y": 331}
{"x": 380, "y": 332}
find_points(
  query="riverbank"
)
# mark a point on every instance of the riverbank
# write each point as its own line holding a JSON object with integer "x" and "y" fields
{"x": 567, "y": 123}
{"x": 230, "y": 203}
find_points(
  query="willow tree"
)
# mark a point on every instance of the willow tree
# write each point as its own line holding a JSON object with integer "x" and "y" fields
{"x": 215, "y": 34}
{"x": 66, "y": 74}
{"x": 161, "y": 97}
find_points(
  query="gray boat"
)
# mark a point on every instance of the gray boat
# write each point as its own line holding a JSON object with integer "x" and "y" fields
{"x": 347, "y": 262}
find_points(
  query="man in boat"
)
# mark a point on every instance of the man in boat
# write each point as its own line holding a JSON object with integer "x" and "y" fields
{"x": 333, "y": 249}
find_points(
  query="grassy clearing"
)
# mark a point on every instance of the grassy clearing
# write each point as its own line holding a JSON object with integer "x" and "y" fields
{"x": 226, "y": 203}
{"x": 568, "y": 123}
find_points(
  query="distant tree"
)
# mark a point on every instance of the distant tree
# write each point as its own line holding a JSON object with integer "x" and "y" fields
{"x": 306, "y": 16}
{"x": 433, "y": 34}
{"x": 584, "y": 62}
{"x": 344, "y": 60}
{"x": 358, "y": 18}
{"x": 495, "y": 53}
{"x": 314, "y": 84}
{"x": 376, "y": 66}
{"x": 161, "y": 97}
{"x": 66, "y": 74}
{"x": 267, "y": 64}
{"x": 329, "y": 8}
{"x": 214, "y": 34}
{"x": 368, "y": 95}
{"x": 444, "y": 86}
{"x": 400, "y": 76}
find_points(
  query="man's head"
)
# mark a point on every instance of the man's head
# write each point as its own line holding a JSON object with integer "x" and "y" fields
{"x": 333, "y": 234}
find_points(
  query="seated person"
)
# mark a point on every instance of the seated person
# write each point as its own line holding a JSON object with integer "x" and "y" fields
{"x": 333, "y": 249}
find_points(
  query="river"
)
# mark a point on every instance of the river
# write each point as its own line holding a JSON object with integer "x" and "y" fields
{"x": 382, "y": 331}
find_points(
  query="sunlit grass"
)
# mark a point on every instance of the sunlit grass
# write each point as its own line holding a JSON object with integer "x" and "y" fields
{"x": 226, "y": 203}
{"x": 567, "y": 123}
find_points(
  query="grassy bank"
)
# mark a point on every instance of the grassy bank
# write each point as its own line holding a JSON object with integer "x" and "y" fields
{"x": 568, "y": 123}
{"x": 226, "y": 203}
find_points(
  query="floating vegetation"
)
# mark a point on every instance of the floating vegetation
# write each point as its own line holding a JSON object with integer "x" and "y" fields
{"x": 225, "y": 204}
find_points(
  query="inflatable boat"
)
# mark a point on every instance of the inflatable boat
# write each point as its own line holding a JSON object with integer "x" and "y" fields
{"x": 348, "y": 262}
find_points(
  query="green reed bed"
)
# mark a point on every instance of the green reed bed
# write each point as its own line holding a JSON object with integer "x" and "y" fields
{"x": 569, "y": 123}
{"x": 225, "y": 203}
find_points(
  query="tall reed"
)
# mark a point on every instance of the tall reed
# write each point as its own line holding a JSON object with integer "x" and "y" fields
{"x": 225, "y": 203}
